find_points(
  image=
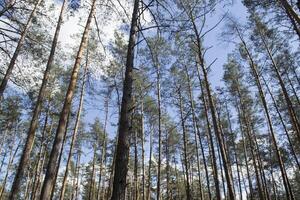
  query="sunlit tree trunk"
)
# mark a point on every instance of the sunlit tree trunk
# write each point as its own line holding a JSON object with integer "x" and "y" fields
{"x": 74, "y": 135}
{"x": 38, "y": 106}
{"x": 51, "y": 167}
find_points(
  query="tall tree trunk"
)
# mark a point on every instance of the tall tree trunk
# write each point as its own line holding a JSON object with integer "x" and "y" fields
{"x": 103, "y": 153}
{"x": 143, "y": 149}
{"x": 235, "y": 152}
{"x": 50, "y": 173}
{"x": 245, "y": 151}
{"x": 213, "y": 113}
{"x": 17, "y": 51}
{"x": 185, "y": 159}
{"x": 38, "y": 106}
{"x": 74, "y": 135}
{"x": 287, "y": 186}
{"x": 196, "y": 132}
{"x": 122, "y": 151}
{"x": 148, "y": 195}
{"x": 92, "y": 180}
{"x": 282, "y": 123}
{"x": 210, "y": 142}
{"x": 75, "y": 193}
{"x": 40, "y": 155}
{"x": 292, "y": 112}
{"x": 136, "y": 191}
{"x": 61, "y": 151}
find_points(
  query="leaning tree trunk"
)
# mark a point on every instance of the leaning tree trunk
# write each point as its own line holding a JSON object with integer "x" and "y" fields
{"x": 38, "y": 106}
{"x": 122, "y": 151}
{"x": 61, "y": 151}
{"x": 9, "y": 165}
{"x": 289, "y": 10}
{"x": 283, "y": 124}
{"x": 17, "y": 51}
{"x": 287, "y": 186}
{"x": 50, "y": 173}
{"x": 210, "y": 142}
{"x": 292, "y": 112}
{"x": 74, "y": 135}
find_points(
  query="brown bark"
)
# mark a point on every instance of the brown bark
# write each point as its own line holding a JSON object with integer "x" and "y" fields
{"x": 74, "y": 135}
{"x": 17, "y": 51}
{"x": 122, "y": 151}
{"x": 289, "y": 9}
{"x": 50, "y": 173}
{"x": 38, "y": 106}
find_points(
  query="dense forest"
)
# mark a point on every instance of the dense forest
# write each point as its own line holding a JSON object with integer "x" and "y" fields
{"x": 150, "y": 99}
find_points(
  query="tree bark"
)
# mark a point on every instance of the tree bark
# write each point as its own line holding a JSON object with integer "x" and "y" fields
{"x": 16, "y": 53}
{"x": 122, "y": 151}
{"x": 74, "y": 135}
{"x": 50, "y": 173}
{"x": 38, "y": 106}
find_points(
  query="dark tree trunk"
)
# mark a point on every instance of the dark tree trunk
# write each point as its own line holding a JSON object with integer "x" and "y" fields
{"x": 185, "y": 159}
{"x": 122, "y": 151}
{"x": 16, "y": 54}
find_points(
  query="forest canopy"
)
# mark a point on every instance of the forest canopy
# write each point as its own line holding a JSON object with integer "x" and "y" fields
{"x": 149, "y": 99}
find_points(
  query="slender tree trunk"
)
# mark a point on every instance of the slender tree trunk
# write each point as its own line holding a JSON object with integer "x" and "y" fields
{"x": 39, "y": 156}
{"x": 235, "y": 152}
{"x": 103, "y": 153}
{"x": 148, "y": 195}
{"x": 287, "y": 186}
{"x": 245, "y": 151}
{"x": 50, "y": 173}
{"x": 158, "y": 90}
{"x": 292, "y": 113}
{"x": 283, "y": 123}
{"x": 92, "y": 180}
{"x": 75, "y": 194}
{"x": 196, "y": 132}
{"x": 122, "y": 151}
{"x": 185, "y": 159}
{"x": 143, "y": 149}
{"x": 136, "y": 191}
{"x": 74, "y": 135}
{"x": 210, "y": 143}
{"x": 12, "y": 155}
{"x": 17, "y": 51}
{"x": 213, "y": 113}
{"x": 38, "y": 106}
